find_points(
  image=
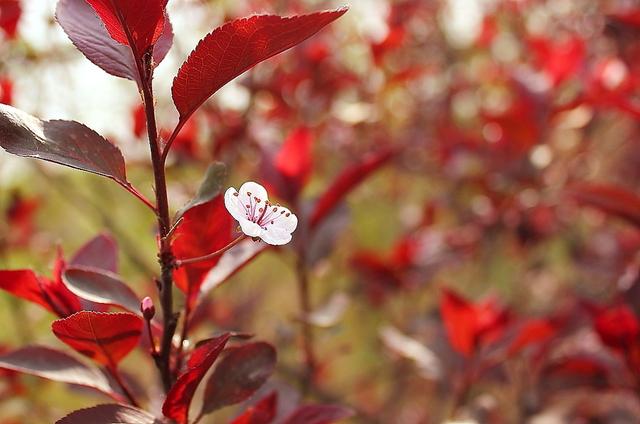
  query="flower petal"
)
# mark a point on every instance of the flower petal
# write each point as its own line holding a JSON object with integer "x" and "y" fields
{"x": 234, "y": 204}
{"x": 255, "y": 189}
{"x": 275, "y": 236}
{"x": 250, "y": 228}
{"x": 284, "y": 222}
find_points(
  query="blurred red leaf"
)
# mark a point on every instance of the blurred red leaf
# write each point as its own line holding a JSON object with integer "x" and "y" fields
{"x": 560, "y": 60}
{"x": 137, "y": 24}
{"x": 176, "y": 405}
{"x": 50, "y": 294}
{"x": 101, "y": 252}
{"x": 101, "y": 287}
{"x": 241, "y": 372}
{"x": 58, "y": 366}
{"x": 104, "y": 337}
{"x": 237, "y": 46}
{"x": 617, "y": 326}
{"x": 87, "y": 32}
{"x": 294, "y": 161}
{"x": 348, "y": 179}
{"x": 319, "y": 414}
{"x": 262, "y": 412}
{"x": 205, "y": 228}
{"x": 531, "y": 332}
{"x": 6, "y": 90}
{"x": 64, "y": 142}
{"x": 10, "y": 13}
{"x": 610, "y": 199}
{"x": 109, "y": 414}
{"x": 20, "y": 216}
{"x": 468, "y": 324}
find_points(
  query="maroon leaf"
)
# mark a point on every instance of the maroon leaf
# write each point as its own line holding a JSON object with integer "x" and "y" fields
{"x": 611, "y": 199}
{"x": 262, "y": 412}
{"x": 241, "y": 372}
{"x": 205, "y": 228}
{"x": 231, "y": 262}
{"x": 176, "y": 405}
{"x": 345, "y": 182}
{"x": 137, "y": 24}
{"x": 236, "y": 47}
{"x": 109, "y": 414}
{"x": 65, "y": 142}
{"x": 50, "y": 294}
{"x": 104, "y": 337}
{"x": 87, "y": 32}
{"x": 57, "y": 366}
{"x": 319, "y": 414}
{"x": 617, "y": 326}
{"x": 101, "y": 287}
{"x": 101, "y": 252}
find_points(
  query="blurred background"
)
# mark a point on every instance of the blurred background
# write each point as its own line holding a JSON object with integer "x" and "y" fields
{"x": 485, "y": 267}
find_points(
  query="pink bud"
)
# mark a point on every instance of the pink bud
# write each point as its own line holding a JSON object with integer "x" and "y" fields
{"x": 147, "y": 308}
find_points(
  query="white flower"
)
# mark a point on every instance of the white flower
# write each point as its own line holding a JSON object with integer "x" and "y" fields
{"x": 257, "y": 216}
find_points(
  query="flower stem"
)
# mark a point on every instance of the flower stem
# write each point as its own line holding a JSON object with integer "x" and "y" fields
{"x": 170, "y": 320}
{"x": 189, "y": 261}
{"x": 304, "y": 300}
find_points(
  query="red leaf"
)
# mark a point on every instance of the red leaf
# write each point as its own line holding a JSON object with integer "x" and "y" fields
{"x": 101, "y": 287}
{"x": 176, "y": 405}
{"x": 532, "y": 332}
{"x": 20, "y": 216}
{"x": 205, "y": 228}
{"x": 469, "y": 325}
{"x": 559, "y": 60}
{"x": 57, "y": 366}
{"x": 6, "y": 90}
{"x": 65, "y": 142}
{"x": 617, "y": 326}
{"x": 52, "y": 295}
{"x": 137, "y": 24}
{"x": 236, "y": 47}
{"x": 87, "y": 32}
{"x": 319, "y": 414}
{"x": 10, "y": 13}
{"x": 241, "y": 372}
{"x": 109, "y": 414}
{"x": 294, "y": 161}
{"x": 262, "y": 412}
{"x": 347, "y": 181}
{"x": 104, "y": 337}
{"x": 610, "y": 199}
{"x": 101, "y": 252}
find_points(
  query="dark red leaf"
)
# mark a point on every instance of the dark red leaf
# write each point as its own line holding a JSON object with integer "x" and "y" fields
{"x": 345, "y": 182}
{"x": 236, "y": 47}
{"x": 87, "y": 32}
{"x": 101, "y": 252}
{"x": 50, "y": 294}
{"x": 319, "y": 414}
{"x": 10, "y": 13}
{"x": 176, "y": 405}
{"x": 294, "y": 161}
{"x": 241, "y": 372}
{"x": 101, "y": 287}
{"x": 65, "y": 142}
{"x": 55, "y": 365}
{"x": 104, "y": 337}
{"x": 262, "y": 412}
{"x": 205, "y": 228}
{"x": 6, "y": 90}
{"x": 109, "y": 414}
{"x": 137, "y": 24}
{"x": 20, "y": 217}
{"x": 611, "y": 199}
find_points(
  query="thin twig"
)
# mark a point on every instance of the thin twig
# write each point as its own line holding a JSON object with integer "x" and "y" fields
{"x": 213, "y": 255}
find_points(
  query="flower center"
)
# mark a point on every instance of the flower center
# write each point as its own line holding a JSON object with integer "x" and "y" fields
{"x": 262, "y": 213}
